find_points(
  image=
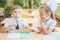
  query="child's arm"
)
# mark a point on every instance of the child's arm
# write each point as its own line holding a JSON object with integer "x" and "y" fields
{"x": 8, "y": 27}
{"x": 34, "y": 29}
{"x": 25, "y": 29}
{"x": 3, "y": 30}
{"x": 51, "y": 27}
{"x": 39, "y": 30}
{"x": 46, "y": 31}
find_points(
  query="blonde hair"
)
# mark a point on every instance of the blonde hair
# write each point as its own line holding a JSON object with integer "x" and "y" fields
{"x": 47, "y": 9}
{"x": 15, "y": 7}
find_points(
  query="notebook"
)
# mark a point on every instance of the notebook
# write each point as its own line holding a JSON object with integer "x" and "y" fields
{"x": 57, "y": 36}
{"x": 20, "y": 35}
{"x": 25, "y": 35}
{"x": 13, "y": 35}
{"x": 49, "y": 37}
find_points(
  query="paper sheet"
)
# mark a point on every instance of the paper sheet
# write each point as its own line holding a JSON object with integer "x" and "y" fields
{"x": 49, "y": 37}
{"x": 13, "y": 35}
{"x": 57, "y": 36}
{"x": 20, "y": 35}
{"x": 25, "y": 35}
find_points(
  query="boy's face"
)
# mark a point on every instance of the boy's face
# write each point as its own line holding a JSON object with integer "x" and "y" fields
{"x": 44, "y": 15}
{"x": 16, "y": 13}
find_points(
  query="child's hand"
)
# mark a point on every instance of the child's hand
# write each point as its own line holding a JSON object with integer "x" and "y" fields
{"x": 14, "y": 25}
{"x": 38, "y": 32}
{"x": 42, "y": 20}
{"x": 24, "y": 30}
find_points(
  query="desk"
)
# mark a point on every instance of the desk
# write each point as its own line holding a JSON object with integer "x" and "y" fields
{"x": 3, "y": 36}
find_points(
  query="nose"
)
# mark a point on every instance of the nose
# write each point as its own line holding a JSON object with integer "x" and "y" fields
{"x": 41, "y": 14}
{"x": 16, "y": 13}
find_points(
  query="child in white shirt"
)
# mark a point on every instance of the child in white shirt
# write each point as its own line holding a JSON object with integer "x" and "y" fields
{"x": 47, "y": 20}
{"x": 15, "y": 22}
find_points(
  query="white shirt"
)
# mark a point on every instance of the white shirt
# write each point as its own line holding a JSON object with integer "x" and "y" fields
{"x": 49, "y": 24}
{"x": 22, "y": 23}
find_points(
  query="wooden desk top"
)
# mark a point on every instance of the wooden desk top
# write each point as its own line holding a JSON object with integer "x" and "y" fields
{"x": 3, "y": 36}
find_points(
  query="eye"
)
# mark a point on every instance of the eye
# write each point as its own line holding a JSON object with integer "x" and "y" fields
{"x": 15, "y": 12}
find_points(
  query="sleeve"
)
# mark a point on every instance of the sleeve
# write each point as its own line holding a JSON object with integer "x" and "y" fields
{"x": 8, "y": 23}
{"x": 52, "y": 25}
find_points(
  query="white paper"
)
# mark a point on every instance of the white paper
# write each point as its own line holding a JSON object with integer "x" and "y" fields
{"x": 49, "y": 37}
{"x": 13, "y": 35}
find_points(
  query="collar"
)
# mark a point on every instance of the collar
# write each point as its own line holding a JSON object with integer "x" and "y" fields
{"x": 48, "y": 21}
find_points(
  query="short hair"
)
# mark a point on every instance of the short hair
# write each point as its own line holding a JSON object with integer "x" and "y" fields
{"x": 15, "y": 7}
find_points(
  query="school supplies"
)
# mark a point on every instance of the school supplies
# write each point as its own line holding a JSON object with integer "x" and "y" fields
{"x": 49, "y": 37}
{"x": 57, "y": 36}
{"x": 13, "y": 35}
{"x": 20, "y": 35}
{"x": 53, "y": 36}
{"x": 25, "y": 35}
